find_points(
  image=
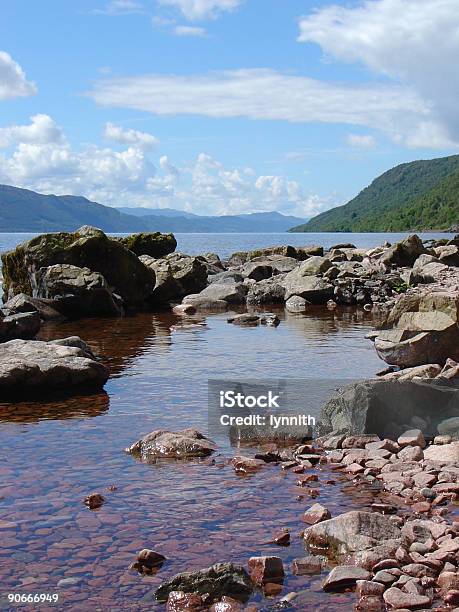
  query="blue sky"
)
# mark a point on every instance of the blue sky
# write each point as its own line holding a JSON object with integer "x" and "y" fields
{"x": 223, "y": 106}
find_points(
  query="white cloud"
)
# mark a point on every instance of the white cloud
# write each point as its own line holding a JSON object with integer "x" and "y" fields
{"x": 361, "y": 141}
{"x": 13, "y": 81}
{"x": 121, "y": 7}
{"x": 415, "y": 42}
{"x": 116, "y": 133}
{"x": 41, "y": 130}
{"x": 129, "y": 177}
{"x": 201, "y": 9}
{"x": 190, "y": 31}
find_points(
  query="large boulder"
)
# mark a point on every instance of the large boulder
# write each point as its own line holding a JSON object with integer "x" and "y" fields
{"x": 422, "y": 328}
{"x": 86, "y": 248}
{"x": 216, "y": 581}
{"x": 44, "y": 367}
{"x": 76, "y": 291}
{"x": 216, "y": 294}
{"x": 404, "y": 253}
{"x": 299, "y": 253}
{"x": 176, "y": 275}
{"x": 22, "y": 303}
{"x": 268, "y": 291}
{"x": 389, "y": 407}
{"x": 163, "y": 444}
{"x": 153, "y": 244}
{"x": 314, "y": 289}
{"x": 351, "y": 532}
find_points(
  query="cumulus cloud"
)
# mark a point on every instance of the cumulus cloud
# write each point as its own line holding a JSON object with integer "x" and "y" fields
{"x": 120, "y": 7}
{"x": 192, "y": 31}
{"x": 116, "y": 133}
{"x": 42, "y": 129}
{"x": 13, "y": 81}
{"x": 130, "y": 177}
{"x": 415, "y": 42}
{"x": 361, "y": 141}
{"x": 201, "y": 9}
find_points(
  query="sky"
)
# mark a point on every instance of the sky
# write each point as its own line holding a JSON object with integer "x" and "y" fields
{"x": 224, "y": 106}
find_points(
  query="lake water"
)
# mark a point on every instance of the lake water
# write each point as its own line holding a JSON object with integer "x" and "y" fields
{"x": 53, "y": 454}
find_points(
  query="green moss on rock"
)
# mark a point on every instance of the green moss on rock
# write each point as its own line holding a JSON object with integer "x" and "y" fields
{"x": 153, "y": 244}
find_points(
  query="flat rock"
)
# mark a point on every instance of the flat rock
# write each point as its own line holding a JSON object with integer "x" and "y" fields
{"x": 265, "y": 569}
{"x": 395, "y": 598}
{"x": 184, "y": 444}
{"x": 344, "y": 576}
{"x": 43, "y": 367}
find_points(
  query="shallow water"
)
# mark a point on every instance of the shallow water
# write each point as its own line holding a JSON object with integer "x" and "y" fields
{"x": 195, "y": 513}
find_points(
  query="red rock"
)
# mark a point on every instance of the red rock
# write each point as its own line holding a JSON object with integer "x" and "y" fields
{"x": 308, "y": 565}
{"x": 178, "y": 601}
{"x": 244, "y": 465}
{"x": 316, "y": 514}
{"x": 386, "y": 564}
{"x": 398, "y": 599}
{"x": 272, "y": 589}
{"x": 147, "y": 560}
{"x": 359, "y": 441}
{"x": 421, "y": 507}
{"x": 448, "y": 581}
{"x": 411, "y": 453}
{"x": 265, "y": 569}
{"x": 226, "y": 604}
{"x": 355, "y": 468}
{"x": 94, "y": 501}
{"x": 452, "y": 598}
{"x": 370, "y": 603}
{"x": 344, "y": 576}
{"x": 367, "y": 587}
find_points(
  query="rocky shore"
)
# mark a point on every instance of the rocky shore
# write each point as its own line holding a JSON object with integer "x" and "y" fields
{"x": 397, "y": 434}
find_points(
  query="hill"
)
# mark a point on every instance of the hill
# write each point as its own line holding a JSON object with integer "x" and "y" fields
{"x": 22, "y": 210}
{"x": 420, "y": 195}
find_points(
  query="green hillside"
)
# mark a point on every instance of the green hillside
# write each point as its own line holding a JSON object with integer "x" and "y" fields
{"x": 414, "y": 196}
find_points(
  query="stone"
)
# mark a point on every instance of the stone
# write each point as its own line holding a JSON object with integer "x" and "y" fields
{"x": 267, "y": 292}
{"x": 38, "y": 367}
{"x": 312, "y": 564}
{"x": 86, "y": 248}
{"x": 164, "y": 444}
{"x": 257, "y": 270}
{"x": 184, "y": 310}
{"x": 360, "y": 441}
{"x": 343, "y": 577}
{"x": 430, "y": 370}
{"x": 244, "y": 319}
{"x": 246, "y": 465}
{"x": 316, "y": 514}
{"x": 404, "y": 253}
{"x": 226, "y": 604}
{"x": 449, "y": 427}
{"x": 217, "y": 581}
{"x": 411, "y": 453}
{"x": 395, "y": 598}
{"x": 22, "y": 303}
{"x": 296, "y": 304}
{"x": 314, "y": 289}
{"x": 76, "y": 292}
{"x": 265, "y": 569}
{"x": 230, "y": 294}
{"x": 412, "y": 437}
{"x": 351, "y": 532}
{"x": 19, "y": 326}
{"x": 94, "y": 501}
{"x": 367, "y": 587}
{"x": 178, "y": 601}
{"x": 153, "y": 244}
{"x": 446, "y": 452}
{"x": 384, "y": 578}
{"x": 176, "y": 276}
{"x": 147, "y": 561}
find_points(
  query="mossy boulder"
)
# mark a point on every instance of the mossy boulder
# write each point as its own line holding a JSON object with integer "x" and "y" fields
{"x": 153, "y": 244}
{"x": 89, "y": 248}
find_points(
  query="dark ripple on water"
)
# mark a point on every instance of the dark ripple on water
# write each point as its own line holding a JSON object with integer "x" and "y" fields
{"x": 195, "y": 513}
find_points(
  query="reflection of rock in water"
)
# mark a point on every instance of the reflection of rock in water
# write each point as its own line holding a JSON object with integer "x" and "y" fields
{"x": 117, "y": 341}
{"x": 80, "y": 407}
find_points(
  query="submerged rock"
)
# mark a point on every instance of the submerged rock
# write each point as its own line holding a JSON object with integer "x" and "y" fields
{"x": 217, "y": 581}
{"x": 44, "y": 367}
{"x": 184, "y": 444}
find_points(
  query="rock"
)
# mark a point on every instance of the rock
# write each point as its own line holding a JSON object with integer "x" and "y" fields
{"x": 421, "y": 329}
{"x": 413, "y": 437}
{"x": 246, "y": 465}
{"x": 312, "y": 288}
{"x": 68, "y": 582}
{"x": 343, "y": 577}
{"x": 218, "y": 580}
{"x": 85, "y": 248}
{"x": 367, "y": 587}
{"x": 22, "y": 303}
{"x": 257, "y": 271}
{"x": 215, "y": 293}
{"x": 296, "y": 304}
{"x": 23, "y": 325}
{"x": 430, "y": 370}
{"x": 35, "y": 366}
{"x": 282, "y": 538}
{"x": 446, "y": 452}
{"x": 448, "y": 254}
{"x": 184, "y": 444}
{"x": 411, "y": 453}
{"x": 184, "y": 309}
{"x": 404, "y": 253}
{"x": 178, "y": 601}
{"x": 451, "y": 598}
{"x": 76, "y": 291}
{"x": 316, "y": 514}
{"x": 244, "y": 319}
{"x": 265, "y": 569}
{"x": 395, "y": 598}
{"x": 386, "y": 407}
{"x": 449, "y": 427}
{"x": 153, "y": 244}
{"x": 227, "y": 277}
{"x": 312, "y": 564}
{"x": 351, "y": 532}
{"x": 226, "y": 604}
{"x": 147, "y": 561}
{"x": 176, "y": 276}
{"x": 268, "y": 291}
{"x": 94, "y": 501}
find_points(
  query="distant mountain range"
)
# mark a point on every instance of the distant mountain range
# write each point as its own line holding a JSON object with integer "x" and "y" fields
{"x": 420, "y": 195}
{"x": 22, "y": 210}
